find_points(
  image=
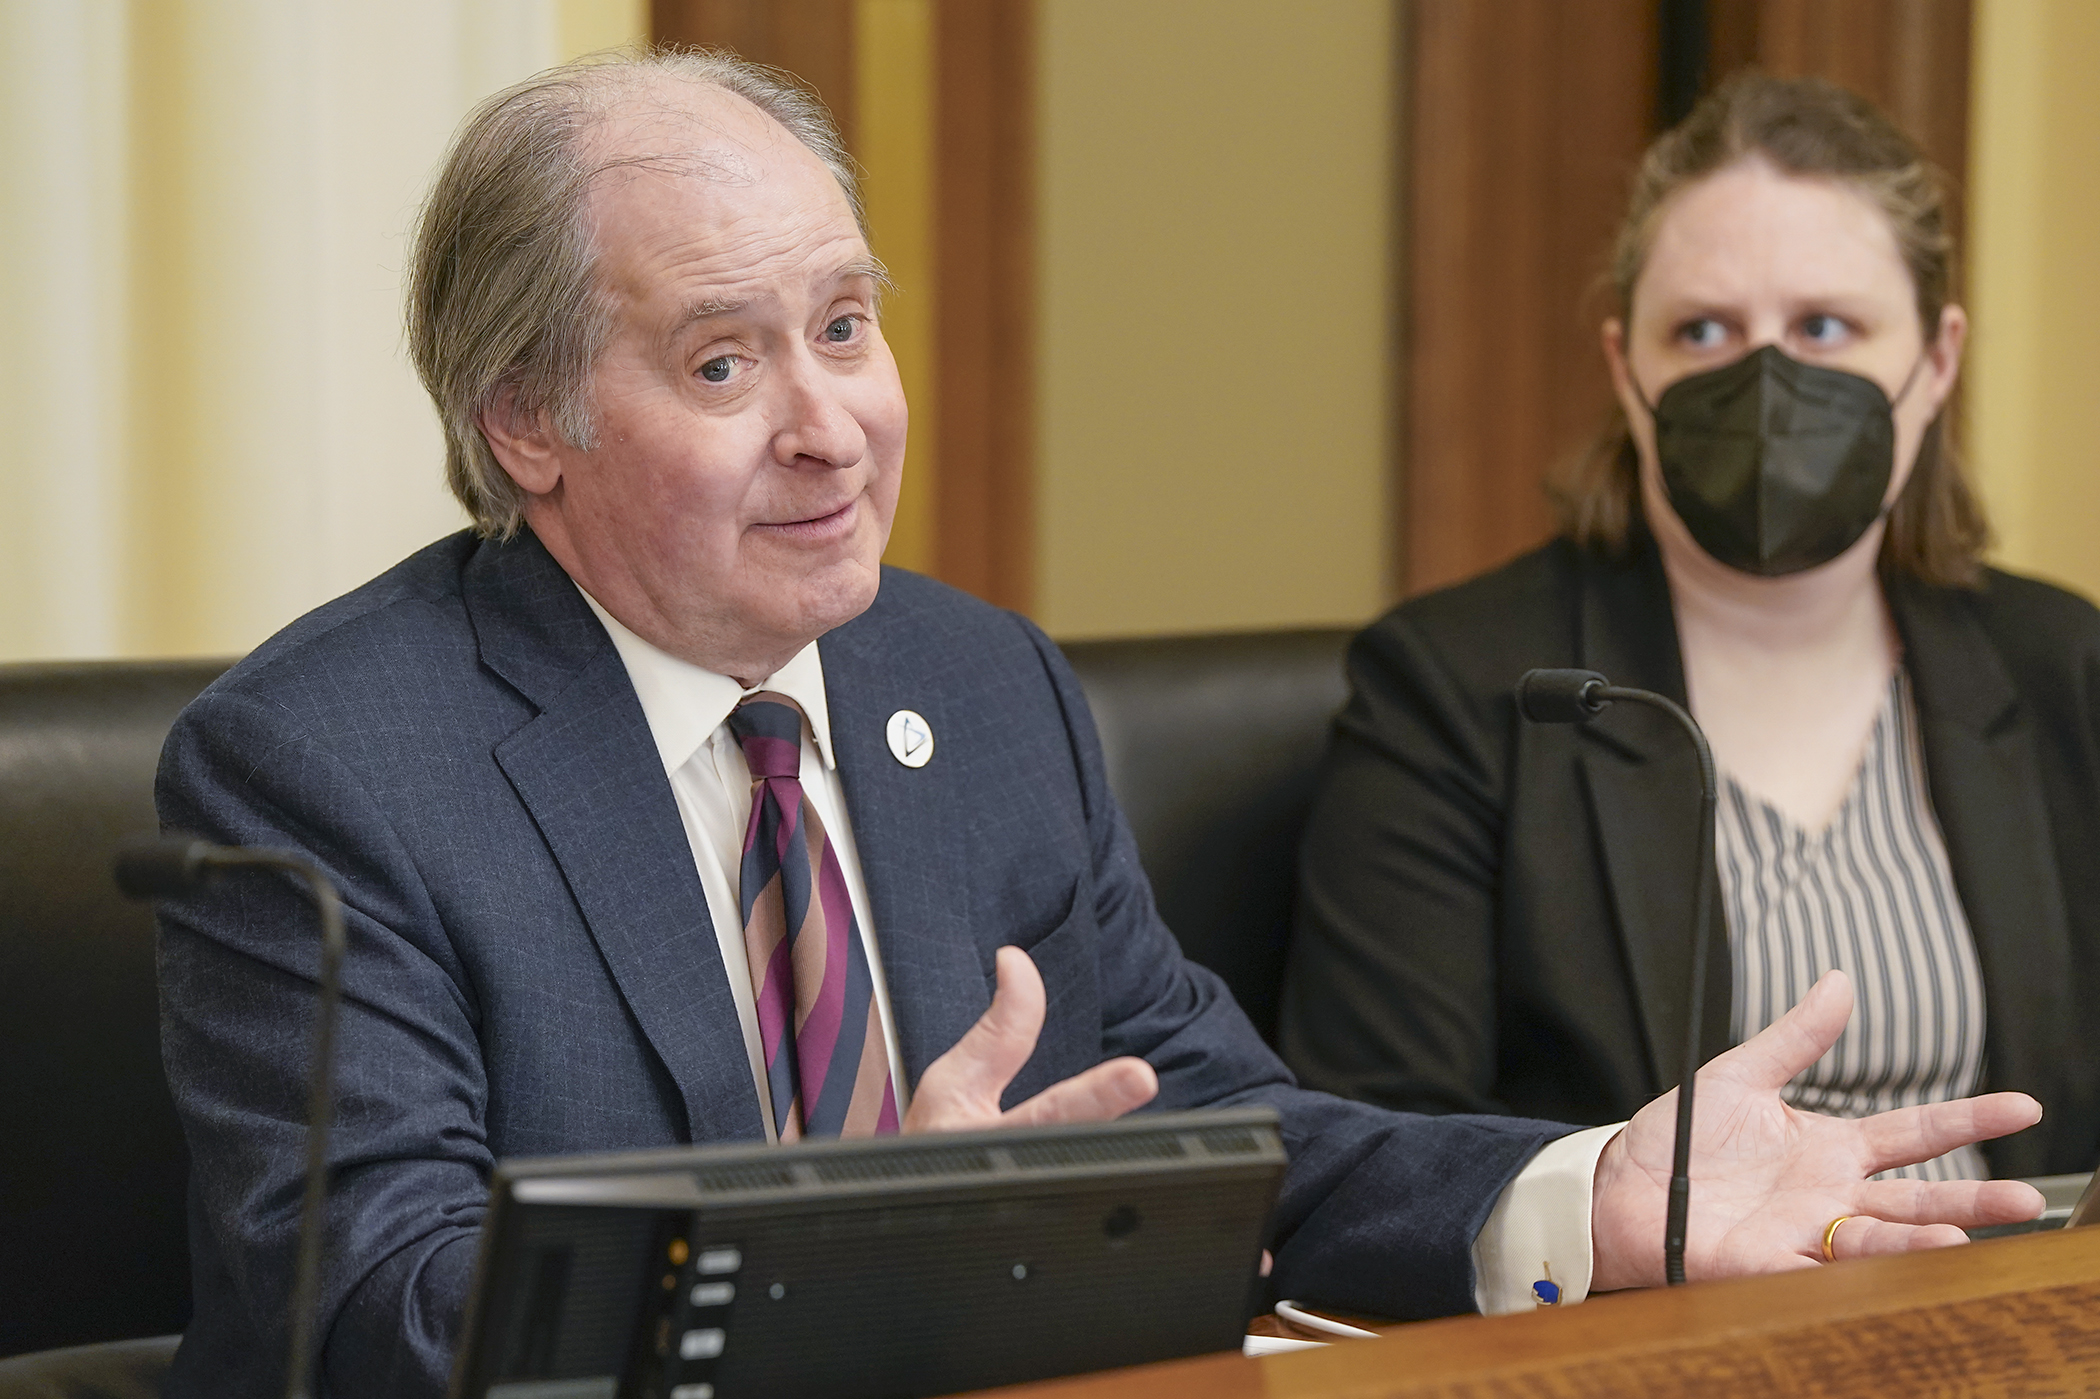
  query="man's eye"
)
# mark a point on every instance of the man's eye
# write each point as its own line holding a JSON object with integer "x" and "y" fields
{"x": 841, "y": 330}
{"x": 717, "y": 370}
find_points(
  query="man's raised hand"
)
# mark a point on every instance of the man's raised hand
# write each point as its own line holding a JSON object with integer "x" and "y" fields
{"x": 1767, "y": 1179}
{"x": 960, "y": 1090}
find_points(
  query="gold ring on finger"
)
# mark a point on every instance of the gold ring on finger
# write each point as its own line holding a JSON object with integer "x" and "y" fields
{"x": 1830, "y": 1233}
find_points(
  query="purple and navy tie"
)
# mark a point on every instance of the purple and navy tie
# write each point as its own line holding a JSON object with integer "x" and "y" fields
{"x": 827, "y": 1069}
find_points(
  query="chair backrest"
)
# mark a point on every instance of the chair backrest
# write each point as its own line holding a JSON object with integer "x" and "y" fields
{"x": 92, "y": 1166}
{"x": 1213, "y": 746}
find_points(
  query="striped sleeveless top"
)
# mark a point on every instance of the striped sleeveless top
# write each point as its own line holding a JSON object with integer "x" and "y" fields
{"x": 1871, "y": 893}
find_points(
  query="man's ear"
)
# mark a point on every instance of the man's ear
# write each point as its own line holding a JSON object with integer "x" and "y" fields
{"x": 523, "y": 442}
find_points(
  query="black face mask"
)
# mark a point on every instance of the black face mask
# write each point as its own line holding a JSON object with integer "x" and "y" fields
{"x": 1776, "y": 466}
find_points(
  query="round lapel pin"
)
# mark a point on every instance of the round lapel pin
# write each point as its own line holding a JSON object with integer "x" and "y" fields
{"x": 911, "y": 738}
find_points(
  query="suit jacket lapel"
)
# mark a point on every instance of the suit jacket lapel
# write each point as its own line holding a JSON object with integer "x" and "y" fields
{"x": 1984, "y": 774}
{"x": 588, "y": 771}
{"x": 1642, "y": 780}
{"x": 909, "y": 827}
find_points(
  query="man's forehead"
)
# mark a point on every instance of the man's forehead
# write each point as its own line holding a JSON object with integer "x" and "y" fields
{"x": 698, "y": 188}
{"x": 672, "y": 127}
{"x": 728, "y": 241}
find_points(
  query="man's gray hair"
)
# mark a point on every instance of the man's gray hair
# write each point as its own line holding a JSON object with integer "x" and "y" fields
{"x": 503, "y": 289}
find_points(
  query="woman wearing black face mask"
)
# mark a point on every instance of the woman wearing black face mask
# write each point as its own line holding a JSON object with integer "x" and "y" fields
{"x": 1494, "y": 916}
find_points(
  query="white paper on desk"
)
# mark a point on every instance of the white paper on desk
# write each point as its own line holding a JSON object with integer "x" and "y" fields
{"x": 1275, "y": 1345}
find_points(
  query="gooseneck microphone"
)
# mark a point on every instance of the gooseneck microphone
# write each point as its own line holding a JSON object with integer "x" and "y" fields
{"x": 153, "y": 868}
{"x": 1576, "y": 697}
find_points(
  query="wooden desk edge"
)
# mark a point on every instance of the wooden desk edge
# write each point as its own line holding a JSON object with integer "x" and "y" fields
{"x": 1456, "y": 1349}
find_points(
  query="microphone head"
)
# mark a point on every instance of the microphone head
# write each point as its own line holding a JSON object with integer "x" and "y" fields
{"x": 1560, "y": 696}
{"x": 153, "y": 867}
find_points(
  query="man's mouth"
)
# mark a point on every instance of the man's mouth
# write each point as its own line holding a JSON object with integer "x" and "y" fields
{"x": 828, "y": 525}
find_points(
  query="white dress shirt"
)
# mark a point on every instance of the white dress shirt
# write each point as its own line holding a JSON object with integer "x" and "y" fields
{"x": 1538, "y": 1230}
{"x": 686, "y": 707}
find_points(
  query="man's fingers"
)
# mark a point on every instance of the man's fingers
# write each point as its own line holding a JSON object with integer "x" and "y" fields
{"x": 961, "y": 1089}
{"x": 1906, "y": 1136}
{"x": 1863, "y": 1236}
{"x": 1897, "y": 1216}
{"x": 1780, "y": 1052}
{"x": 1968, "y": 1204}
{"x": 1103, "y": 1092}
{"x": 986, "y": 1059}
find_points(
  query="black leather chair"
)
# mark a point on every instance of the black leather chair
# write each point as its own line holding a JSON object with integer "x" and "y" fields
{"x": 92, "y": 1239}
{"x": 106, "y": 1370}
{"x": 1213, "y": 746}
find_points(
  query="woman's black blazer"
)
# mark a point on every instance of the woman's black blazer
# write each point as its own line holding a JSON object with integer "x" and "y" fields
{"x": 1494, "y": 915}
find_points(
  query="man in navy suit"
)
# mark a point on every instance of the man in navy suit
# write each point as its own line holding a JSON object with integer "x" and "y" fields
{"x": 645, "y": 306}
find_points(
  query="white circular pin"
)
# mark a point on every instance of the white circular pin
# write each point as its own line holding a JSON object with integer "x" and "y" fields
{"x": 911, "y": 738}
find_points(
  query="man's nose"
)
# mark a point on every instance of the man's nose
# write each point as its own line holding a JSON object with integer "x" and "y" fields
{"x": 814, "y": 421}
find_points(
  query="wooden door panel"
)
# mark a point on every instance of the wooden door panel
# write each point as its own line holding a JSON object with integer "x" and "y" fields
{"x": 1527, "y": 116}
{"x": 813, "y": 39}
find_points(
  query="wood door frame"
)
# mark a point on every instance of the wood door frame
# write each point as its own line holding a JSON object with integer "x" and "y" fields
{"x": 1523, "y": 119}
{"x": 984, "y": 345}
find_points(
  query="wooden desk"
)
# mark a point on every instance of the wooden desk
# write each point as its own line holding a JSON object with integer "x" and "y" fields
{"x": 2011, "y": 1316}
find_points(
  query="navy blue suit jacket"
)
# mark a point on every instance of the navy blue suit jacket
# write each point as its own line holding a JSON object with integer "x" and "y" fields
{"x": 532, "y": 969}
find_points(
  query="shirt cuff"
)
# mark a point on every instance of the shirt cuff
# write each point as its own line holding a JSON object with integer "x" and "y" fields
{"x": 1535, "y": 1247}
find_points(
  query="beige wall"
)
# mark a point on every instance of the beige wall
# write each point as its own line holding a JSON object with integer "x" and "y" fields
{"x": 212, "y": 425}
{"x": 1213, "y": 358}
{"x": 2034, "y": 365}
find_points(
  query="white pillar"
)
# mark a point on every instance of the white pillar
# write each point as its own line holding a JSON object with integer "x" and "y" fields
{"x": 208, "y": 423}
{"x": 300, "y": 456}
{"x": 63, "y": 298}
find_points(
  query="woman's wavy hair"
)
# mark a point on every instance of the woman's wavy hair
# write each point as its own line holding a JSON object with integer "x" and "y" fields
{"x": 1803, "y": 126}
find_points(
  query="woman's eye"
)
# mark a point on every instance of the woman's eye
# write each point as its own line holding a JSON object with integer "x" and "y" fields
{"x": 1706, "y": 333}
{"x": 718, "y": 369}
{"x": 841, "y": 330}
{"x": 1820, "y": 329}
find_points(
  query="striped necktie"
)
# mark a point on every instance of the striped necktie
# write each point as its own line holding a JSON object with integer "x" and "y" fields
{"x": 827, "y": 1069}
